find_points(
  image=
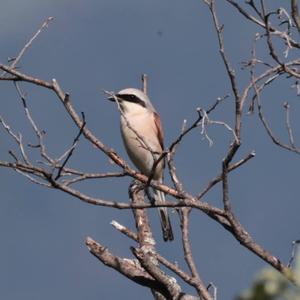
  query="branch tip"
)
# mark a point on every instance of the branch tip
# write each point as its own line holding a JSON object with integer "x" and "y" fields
{"x": 117, "y": 225}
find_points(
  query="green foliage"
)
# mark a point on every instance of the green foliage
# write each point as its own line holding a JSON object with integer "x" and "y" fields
{"x": 271, "y": 285}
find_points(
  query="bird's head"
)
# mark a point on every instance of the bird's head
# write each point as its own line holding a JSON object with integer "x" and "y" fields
{"x": 132, "y": 100}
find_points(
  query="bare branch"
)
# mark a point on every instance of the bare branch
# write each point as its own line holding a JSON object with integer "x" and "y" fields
{"x": 144, "y": 233}
{"x": 124, "y": 230}
{"x": 22, "y": 77}
{"x": 295, "y": 13}
{"x": 123, "y": 205}
{"x": 168, "y": 285}
{"x": 271, "y": 47}
{"x": 286, "y": 106}
{"x": 172, "y": 171}
{"x": 40, "y": 172}
{"x": 270, "y": 132}
{"x": 18, "y": 139}
{"x": 219, "y": 177}
{"x": 246, "y": 14}
{"x": 186, "y": 242}
{"x": 128, "y": 267}
{"x": 261, "y": 22}
{"x": 145, "y": 83}
{"x": 187, "y": 249}
{"x": 70, "y": 152}
{"x": 9, "y": 78}
{"x": 170, "y": 152}
{"x": 39, "y": 133}
{"x": 284, "y": 15}
{"x": 171, "y": 266}
{"x": 219, "y": 31}
{"x": 194, "y": 125}
{"x": 254, "y": 7}
{"x": 9, "y": 130}
{"x": 206, "y": 121}
{"x": 269, "y": 40}
{"x": 214, "y": 288}
{"x": 22, "y": 149}
{"x": 146, "y": 253}
{"x": 85, "y": 176}
{"x": 32, "y": 179}
{"x": 28, "y": 44}
{"x": 295, "y": 245}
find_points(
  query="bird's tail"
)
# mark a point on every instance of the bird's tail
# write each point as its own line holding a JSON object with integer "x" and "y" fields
{"x": 159, "y": 197}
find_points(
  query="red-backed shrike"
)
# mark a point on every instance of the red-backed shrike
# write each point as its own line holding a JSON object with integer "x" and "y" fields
{"x": 143, "y": 139}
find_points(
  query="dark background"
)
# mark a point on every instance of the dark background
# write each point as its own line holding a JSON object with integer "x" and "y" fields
{"x": 95, "y": 45}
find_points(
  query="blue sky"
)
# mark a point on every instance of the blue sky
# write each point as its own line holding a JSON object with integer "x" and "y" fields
{"x": 94, "y": 45}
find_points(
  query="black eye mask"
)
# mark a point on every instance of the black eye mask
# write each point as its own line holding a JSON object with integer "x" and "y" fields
{"x": 131, "y": 98}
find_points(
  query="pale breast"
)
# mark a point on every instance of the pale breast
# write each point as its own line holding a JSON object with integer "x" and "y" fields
{"x": 138, "y": 152}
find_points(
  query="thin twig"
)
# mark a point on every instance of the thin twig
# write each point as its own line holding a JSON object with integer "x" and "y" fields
{"x": 261, "y": 22}
{"x": 186, "y": 242}
{"x": 9, "y": 130}
{"x": 86, "y": 176}
{"x": 169, "y": 288}
{"x": 39, "y": 133}
{"x": 32, "y": 179}
{"x": 173, "y": 267}
{"x": 123, "y": 205}
{"x": 23, "y": 77}
{"x": 128, "y": 267}
{"x": 254, "y": 7}
{"x": 18, "y": 139}
{"x": 206, "y": 121}
{"x": 256, "y": 97}
{"x": 284, "y": 15}
{"x": 187, "y": 249}
{"x": 173, "y": 174}
{"x": 214, "y": 288}
{"x": 170, "y": 152}
{"x": 218, "y": 178}
{"x": 28, "y": 44}
{"x": 268, "y": 33}
{"x": 13, "y": 155}
{"x": 295, "y": 245}
{"x": 194, "y": 125}
{"x": 245, "y": 13}
{"x": 295, "y": 13}
{"x": 269, "y": 131}
{"x": 286, "y": 106}
{"x": 219, "y": 31}
{"x": 40, "y": 172}
{"x": 72, "y": 148}
{"x": 145, "y": 83}
{"x": 271, "y": 47}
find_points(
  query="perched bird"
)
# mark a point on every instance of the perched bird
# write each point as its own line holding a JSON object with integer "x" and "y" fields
{"x": 142, "y": 135}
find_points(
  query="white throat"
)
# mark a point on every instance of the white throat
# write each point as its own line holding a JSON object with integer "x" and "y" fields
{"x": 130, "y": 108}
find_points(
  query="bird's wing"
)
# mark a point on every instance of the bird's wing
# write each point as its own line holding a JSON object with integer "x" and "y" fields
{"x": 160, "y": 133}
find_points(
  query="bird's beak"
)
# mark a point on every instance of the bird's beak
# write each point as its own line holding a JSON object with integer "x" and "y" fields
{"x": 111, "y": 98}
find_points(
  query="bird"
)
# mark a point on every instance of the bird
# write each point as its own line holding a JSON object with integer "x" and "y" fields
{"x": 142, "y": 135}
